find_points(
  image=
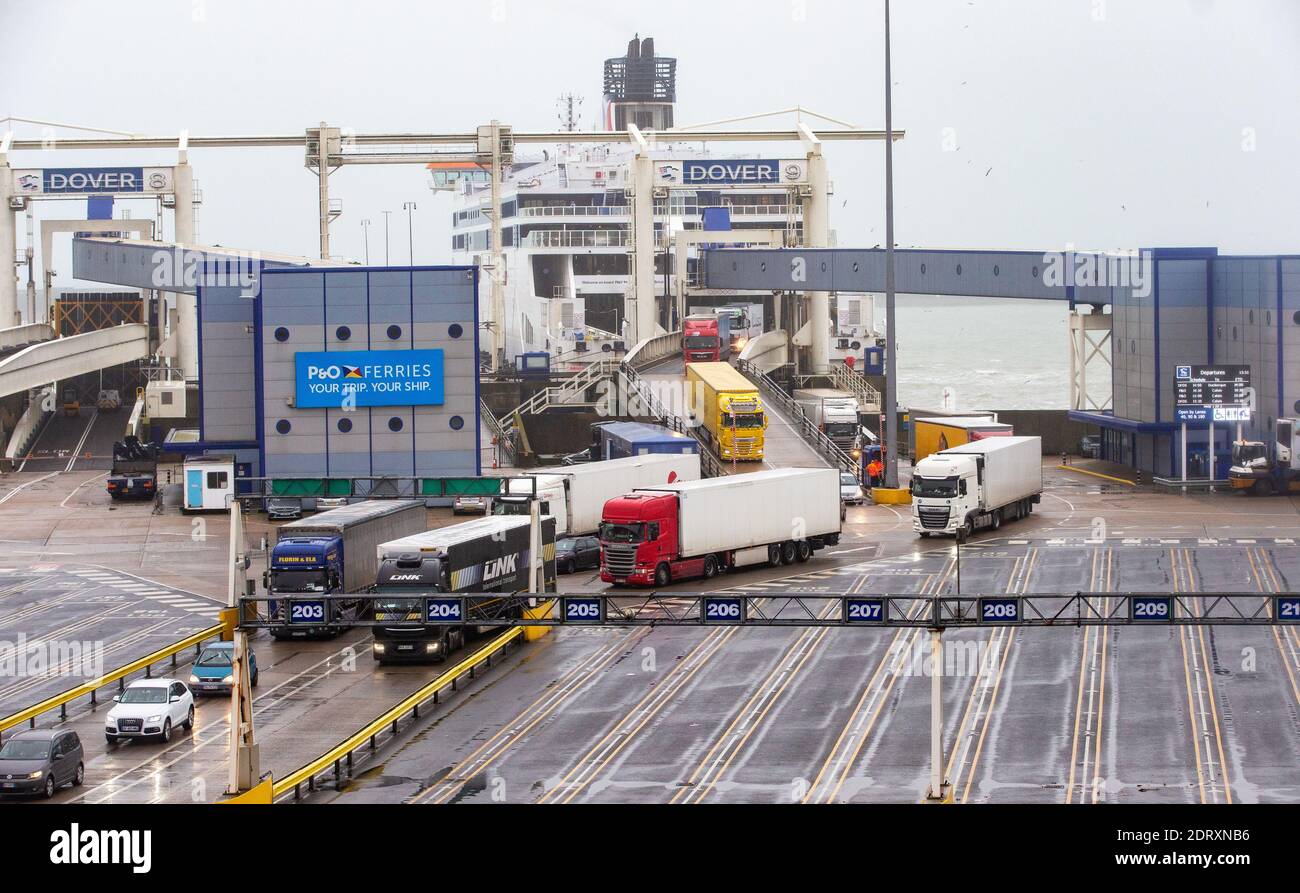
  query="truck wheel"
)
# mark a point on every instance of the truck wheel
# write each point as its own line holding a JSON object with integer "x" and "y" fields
{"x": 803, "y": 551}
{"x": 774, "y": 556}
{"x": 663, "y": 576}
{"x": 710, "y": 567}
{"x": 788, "y": 552}
{"x": 997, "y": 518}
{"x": 1263, "y": 487}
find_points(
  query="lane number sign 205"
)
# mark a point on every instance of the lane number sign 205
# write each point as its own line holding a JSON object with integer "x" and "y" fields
{"x": 999, "y": 610}
{"x": 583, "y": 610}
{"x": 307, "y": 612}
{"x": 444, "y": 610}
{"x": 1151, "y": 608}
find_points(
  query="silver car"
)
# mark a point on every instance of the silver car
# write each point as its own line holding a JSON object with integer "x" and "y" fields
{"x": 850, "y": 489}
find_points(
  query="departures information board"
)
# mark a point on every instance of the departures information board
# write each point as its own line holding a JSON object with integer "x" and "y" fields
{"x": 1212, "y": 393}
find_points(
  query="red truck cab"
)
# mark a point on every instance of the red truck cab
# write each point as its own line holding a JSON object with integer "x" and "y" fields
{"x": 638, "y": 541}
{"x": 705, "y": 339}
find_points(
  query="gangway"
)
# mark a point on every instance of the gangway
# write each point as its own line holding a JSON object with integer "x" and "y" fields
{"x": 49, "y": 361}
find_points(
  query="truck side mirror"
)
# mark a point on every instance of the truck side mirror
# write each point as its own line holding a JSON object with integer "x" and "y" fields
{"x": 266, "y": 579}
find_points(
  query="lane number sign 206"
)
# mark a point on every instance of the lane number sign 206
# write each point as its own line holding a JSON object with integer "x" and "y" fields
{"x": 307, "y": 612}
{"x": 999, "y": 610}
{"x": 724, "y": 609}
{"x": 1151, "y": 608}
{"x": 583, "y": 610}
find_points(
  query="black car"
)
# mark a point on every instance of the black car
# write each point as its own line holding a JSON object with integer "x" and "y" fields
{"x": 40, "y": 761}
{"x": 574, "y": 553}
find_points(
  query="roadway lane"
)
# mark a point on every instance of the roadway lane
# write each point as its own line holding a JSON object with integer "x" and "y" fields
{"x": 783, "y": 447}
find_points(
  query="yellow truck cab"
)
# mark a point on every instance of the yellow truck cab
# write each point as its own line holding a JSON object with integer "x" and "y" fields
{"x": 729, "y": 410}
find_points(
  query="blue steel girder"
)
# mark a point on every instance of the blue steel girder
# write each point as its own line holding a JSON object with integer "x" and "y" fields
{"x": 1034, "y": 275}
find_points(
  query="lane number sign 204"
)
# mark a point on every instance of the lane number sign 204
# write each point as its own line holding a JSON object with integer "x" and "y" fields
{"x": 999, "y": 610}
{"x": 1151, "y": 608}
{"x": 307, "y": 612}
{"x": 444, "y": 610}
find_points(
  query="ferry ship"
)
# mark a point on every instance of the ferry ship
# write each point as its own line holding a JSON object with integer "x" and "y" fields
{"x": 566, "y": 223}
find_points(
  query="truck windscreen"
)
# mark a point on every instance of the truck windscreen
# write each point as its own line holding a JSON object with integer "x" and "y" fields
{"x": 1247, "y": 452}
{"x": 622, "y": 533}
{"x": 701, "y": 341}
{"x": 742, "y": 420}
{"x": 935, "y": 488}
{"x": 298, "y": 580}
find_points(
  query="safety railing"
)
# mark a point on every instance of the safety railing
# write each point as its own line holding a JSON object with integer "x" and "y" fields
{"x": 816, "y": 438}
{"x": 91, "y": 687}
{"x": 501, "y": 436}
{"x": 576, "y": 239}
{"x": 343, "y": 754}
{"x": 653, "y": 350}
{"x": 855, "y": 383}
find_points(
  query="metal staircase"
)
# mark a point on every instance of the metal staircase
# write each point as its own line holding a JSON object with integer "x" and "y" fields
{"x": 855, "y": 383}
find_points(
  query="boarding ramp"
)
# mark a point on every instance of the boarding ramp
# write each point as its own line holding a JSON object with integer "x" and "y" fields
{"x": 15, "y": 338}
{"x": 40, "y": 364}
{"x": 767, "y": 352}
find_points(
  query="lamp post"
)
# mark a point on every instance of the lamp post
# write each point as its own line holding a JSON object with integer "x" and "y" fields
{"x": 410, "y": 232}
{"x": 386, "y": 215}
{"x": 891, "y": 365}
{"x": 365, "y": 229}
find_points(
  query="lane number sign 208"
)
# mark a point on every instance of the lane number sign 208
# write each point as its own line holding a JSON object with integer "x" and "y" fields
{"x": 999, "y": 610}
{"x": 864, "y": 610}
{"x": 444, "y": 610}
{"x": 583, "y": 610}
{"x": 307, "y": 612}
{"x": 724, "y": 610}
{"x": 1151, "y": 608}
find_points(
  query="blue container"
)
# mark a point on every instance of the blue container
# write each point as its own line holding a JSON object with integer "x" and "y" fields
{"x": 621, "y": 439}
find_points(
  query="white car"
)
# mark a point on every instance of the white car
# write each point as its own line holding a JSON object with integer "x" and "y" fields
{"x": 150, "y": 708}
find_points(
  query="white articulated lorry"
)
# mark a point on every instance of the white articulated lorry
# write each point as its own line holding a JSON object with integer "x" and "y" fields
{"x": 574, "y": 495}
{"x": 835, "y": 413}
{"x": 978, "y": 484}
{"x": 656, "y": 535}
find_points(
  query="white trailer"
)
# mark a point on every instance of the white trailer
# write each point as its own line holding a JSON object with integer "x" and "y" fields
{"x": 834, "y": 412}
{"x": 976, "y": 485}
{"x": 575, "y": 495}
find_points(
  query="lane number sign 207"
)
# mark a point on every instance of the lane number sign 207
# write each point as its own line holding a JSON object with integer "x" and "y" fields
{"x": 1286, "y": 608}
{"x": 999, "y": 610}
{"x": 444, "y": 610}
{"x": 723, "y": 609}
{"x": 864, "y": 610}
{"x": 1151, "y": 608}
{"x": 307, "y": 612}
{"x": 583, "y": 610}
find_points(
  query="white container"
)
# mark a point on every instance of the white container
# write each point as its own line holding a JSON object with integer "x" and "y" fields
{"x": 743, "y": 511}
{"x": 1013, "y": 468}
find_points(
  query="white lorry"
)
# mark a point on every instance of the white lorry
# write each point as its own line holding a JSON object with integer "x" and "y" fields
{"x": 978, "y": 484}
{"x": 834, "y": 412}
{"x": 574, "y": 495}
{"x": 656, "y": 535}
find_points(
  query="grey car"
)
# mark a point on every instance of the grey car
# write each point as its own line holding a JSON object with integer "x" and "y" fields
{"x": 40, "y": 761}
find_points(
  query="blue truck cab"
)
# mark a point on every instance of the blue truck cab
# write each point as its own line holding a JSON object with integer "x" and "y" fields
{"x": 303, "y": 567}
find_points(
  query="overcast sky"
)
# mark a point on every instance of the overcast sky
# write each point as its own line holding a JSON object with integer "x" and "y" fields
{"x": 1030, "y": 123}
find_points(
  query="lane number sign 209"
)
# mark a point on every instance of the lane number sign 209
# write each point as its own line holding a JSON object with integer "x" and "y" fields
{"x": 725, "y": 609}
{"x": 999, "y": 610}
{"x": 444, "y": 610}
{"x": 1286, "y": 608}
{"x": 583, "y": 610}
{"x": 307, "y": 612}
{"x": 1151, "y": 608}
{"x": 864, "y": 610}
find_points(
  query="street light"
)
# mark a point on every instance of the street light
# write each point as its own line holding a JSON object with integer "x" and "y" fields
{"x": 410, "y": 232}
{"x": 386, "y": 213}
{"x": 365, "y": 229}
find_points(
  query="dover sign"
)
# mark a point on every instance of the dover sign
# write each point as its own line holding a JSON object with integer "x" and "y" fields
{"x": 326, "y": 379}
{"x": 731, "y": 172}
{"x": 93, "y": 181}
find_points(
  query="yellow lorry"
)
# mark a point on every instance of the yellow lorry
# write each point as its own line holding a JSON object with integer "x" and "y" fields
{"x": 729, "y": 410}
{"x": 933, "y": 435}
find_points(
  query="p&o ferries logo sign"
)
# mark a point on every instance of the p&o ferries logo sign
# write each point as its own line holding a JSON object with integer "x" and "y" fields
{"x": 326, "y": 379}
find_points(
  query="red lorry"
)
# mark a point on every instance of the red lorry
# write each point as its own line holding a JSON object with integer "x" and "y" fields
{"x": 706, "y": 338}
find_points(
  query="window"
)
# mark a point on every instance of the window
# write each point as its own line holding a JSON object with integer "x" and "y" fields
{"x": 344, "y": 425}
{"x": 281, "y": 334}
{"x": 455, "y": 330}
{"x": 395, "y": 424}
{"x": 217, "y": 480}
{"x": 343, "y": 333}
{"x": 394, "y": 332}
{"x": 456, "y": 423}
{"x": 283, "y": 426}
{"x": 166, "y": 398}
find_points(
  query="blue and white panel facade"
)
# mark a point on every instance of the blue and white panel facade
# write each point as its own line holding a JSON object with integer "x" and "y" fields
{"x": 387, "y": 325}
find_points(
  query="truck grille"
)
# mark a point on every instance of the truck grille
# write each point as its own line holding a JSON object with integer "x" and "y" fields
{"x": 933, "y": 517}
{"x": 620, "y": 560}
{"x": 746, "y": 406}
